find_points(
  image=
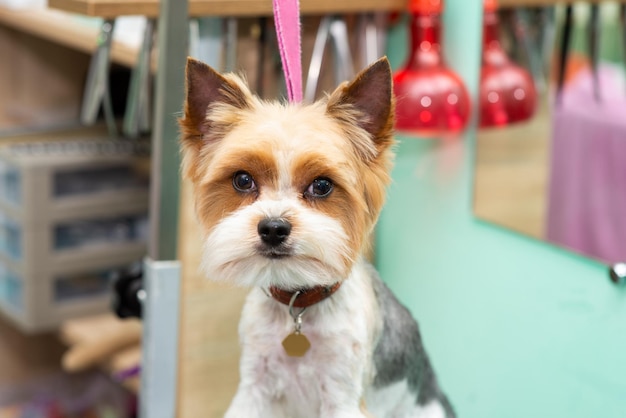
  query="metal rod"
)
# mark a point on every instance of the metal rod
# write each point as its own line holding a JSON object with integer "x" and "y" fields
{"x": 231, "y": 43}
{"x": 317, "y": 56}
{"x": 98, "y": 75}
{"x": 344, "y": 67}
{"x": 159, "y": 361}
{"x": 262, "y": 46}
{"x": 136, "y": 118}
{"x": 372, "y": 33}
{"x": 623, "y": 19}
{"x": 521, "y": 25}
{"x": 107, "y": 107}
{"x": 548, "y": 20}
{"x": 159, "y": 378}
{"x": 594, "y": 49}
{"x": 209, "y": 41}
{"x": 567, "y": 33}
{"x": 170, "y": 82}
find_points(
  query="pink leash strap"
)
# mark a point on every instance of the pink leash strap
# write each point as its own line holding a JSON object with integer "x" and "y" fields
{"x": 287, "y": 22}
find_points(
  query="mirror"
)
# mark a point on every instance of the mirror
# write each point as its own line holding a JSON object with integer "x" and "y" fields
{"x": 560, "y": 176}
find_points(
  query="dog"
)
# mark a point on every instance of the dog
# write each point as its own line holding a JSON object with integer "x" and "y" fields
{"x": 287, "y": 196}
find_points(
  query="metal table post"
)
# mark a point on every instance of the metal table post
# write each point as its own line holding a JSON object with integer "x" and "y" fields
{"x": 162, "y": 271}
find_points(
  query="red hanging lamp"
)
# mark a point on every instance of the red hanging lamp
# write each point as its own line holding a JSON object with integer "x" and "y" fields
{"x": 507, "y": 91}
{"x": 431, "y": 100}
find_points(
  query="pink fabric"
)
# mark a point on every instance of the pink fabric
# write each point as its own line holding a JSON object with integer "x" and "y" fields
{"x": 287, "y": 22}
{"x": 587, "y": 199}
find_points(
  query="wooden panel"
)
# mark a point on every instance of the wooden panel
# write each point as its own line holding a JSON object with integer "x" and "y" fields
{"x": 541, "y": 3}
{"x": 112, "y": 8}
{"x": 34, "y": 64}
{"x": 63, "y": 29}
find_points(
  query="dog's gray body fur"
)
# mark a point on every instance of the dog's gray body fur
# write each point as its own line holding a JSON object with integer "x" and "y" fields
{"x": 400, "y": 354}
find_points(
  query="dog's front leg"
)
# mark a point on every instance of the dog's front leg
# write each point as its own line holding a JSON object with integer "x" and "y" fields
{"x": 256, "y": 386}
{"x": 249, "y": 403}
{"x": 252, "y": 400}
{"x": 344, "y": 412}
{"x": 344, "y": 398}
{"x": 338, "y": 406}
{"x": 349, "y": 414}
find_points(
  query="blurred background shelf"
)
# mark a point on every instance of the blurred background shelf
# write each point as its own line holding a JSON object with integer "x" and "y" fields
{"x": 150, "y": 8}
{"x": 66, "y": 30}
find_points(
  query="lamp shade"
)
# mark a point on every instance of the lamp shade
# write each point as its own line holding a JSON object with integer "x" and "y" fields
{"x": 507, "y": 90}
{"x": 431, "y": 100}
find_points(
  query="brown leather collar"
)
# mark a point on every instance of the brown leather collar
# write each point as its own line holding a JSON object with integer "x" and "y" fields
{"x": 306, "y": 297}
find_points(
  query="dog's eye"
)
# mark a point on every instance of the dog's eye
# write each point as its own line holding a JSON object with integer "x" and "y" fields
{"x": 321, "y": 187}
{"x": 243, "y": 182}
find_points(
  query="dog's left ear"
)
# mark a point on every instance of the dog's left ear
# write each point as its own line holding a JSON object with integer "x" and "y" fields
{"x": 371, "y": 95}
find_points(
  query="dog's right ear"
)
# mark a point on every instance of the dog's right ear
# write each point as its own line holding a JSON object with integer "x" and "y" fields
{"x": 207, "y": 92}
{"x": 206, "y": 87}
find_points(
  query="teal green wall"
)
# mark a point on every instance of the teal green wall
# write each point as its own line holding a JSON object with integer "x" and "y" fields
{"x": 515, "y": 327}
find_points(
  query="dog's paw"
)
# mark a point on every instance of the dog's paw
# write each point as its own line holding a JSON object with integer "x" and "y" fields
{"x": 358, "y": 413}
{"x": 247, "y": 405}
{"x": 236, "y": 412}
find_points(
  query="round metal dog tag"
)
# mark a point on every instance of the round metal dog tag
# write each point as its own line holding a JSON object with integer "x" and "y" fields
{"x": 296, "y": 345}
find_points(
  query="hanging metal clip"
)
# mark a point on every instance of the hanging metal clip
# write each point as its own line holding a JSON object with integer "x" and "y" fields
{"x": 297, "y": 318}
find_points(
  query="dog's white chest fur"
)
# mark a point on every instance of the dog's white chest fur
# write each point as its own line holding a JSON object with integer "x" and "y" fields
{"x": 342, "y": 331}
{"x": 336, "y": 377}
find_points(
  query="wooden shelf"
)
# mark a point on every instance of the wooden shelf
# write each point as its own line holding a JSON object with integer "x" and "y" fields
{"x": 150, "y": 8}
{"x": 64, "y": 29}
{"x": 543, "y": 3}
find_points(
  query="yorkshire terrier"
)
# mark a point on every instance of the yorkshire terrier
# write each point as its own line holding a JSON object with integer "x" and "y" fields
{"x": 287, "y": 196}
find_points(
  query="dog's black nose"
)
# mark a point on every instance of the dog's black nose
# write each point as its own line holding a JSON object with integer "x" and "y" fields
{"x": 274, "y": 231}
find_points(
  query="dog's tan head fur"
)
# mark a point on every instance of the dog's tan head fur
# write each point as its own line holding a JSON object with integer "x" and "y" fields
{"x": 251, "y": 160}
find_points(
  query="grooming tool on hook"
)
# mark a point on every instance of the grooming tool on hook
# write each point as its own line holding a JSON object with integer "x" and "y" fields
{"x": 567, "y": 34}
{"x": 262, "y": 44}
{"x": 594, "y": 48}
{"x": 332, "y": 29}
{"x": 623, "y": 19}
{"x": 521, "y": 32}
{"x": 548, "y": 32}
